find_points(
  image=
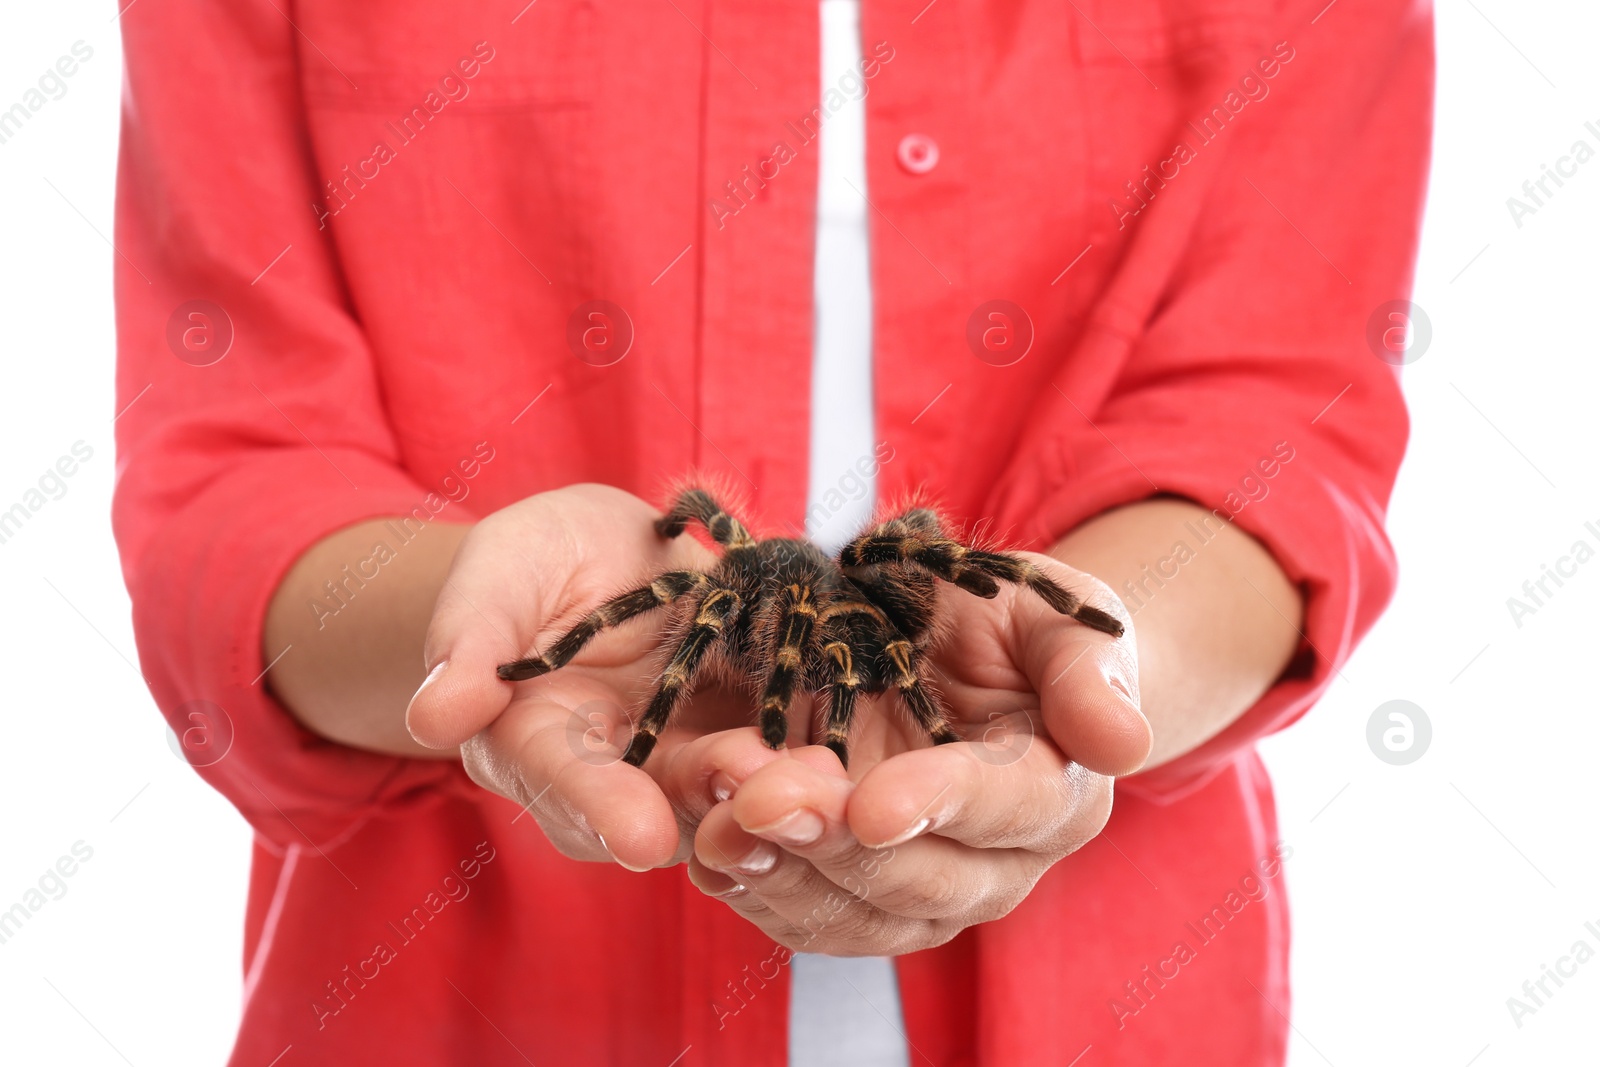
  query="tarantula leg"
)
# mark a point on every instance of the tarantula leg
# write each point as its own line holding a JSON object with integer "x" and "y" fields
{"x": 843, "y": 627}
{"x": 914, "y": 691}
{"x": 842, "y": 699}
{"x": 698, "y": 504}
{"x": 974, "y": 570}
{"x": 1020, "y": 571}
{"x": 942, "y": 556}
{"x": 797, "y": 616}
{"x": 659, "y": 593}
{"x": 715, "y": 610}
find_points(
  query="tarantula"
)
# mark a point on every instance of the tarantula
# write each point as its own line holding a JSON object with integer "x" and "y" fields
{"x": 784, "y": 617}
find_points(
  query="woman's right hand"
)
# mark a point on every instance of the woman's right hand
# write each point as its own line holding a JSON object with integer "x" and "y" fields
{"x": 554, "y": 743}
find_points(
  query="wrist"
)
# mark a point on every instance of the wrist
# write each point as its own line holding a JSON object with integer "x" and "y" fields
{"x": 1215, "y": 624}
{"x": 345, "y": 627}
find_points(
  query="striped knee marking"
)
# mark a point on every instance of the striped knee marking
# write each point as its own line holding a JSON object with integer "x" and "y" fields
{"x": 852, "y": 607}
{"x": 802, "y": 604}
{"x": 669, "y": 587}
{"x": 709, "y": 616}
{"x": 900, "y": 653}
{"x": 729, "y": 531}
{"x": 839, "y": 652}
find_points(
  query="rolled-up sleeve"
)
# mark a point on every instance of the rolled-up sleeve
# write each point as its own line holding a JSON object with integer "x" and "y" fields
{"x": 1246, "y": 381}
{"x": 229, "y": 470}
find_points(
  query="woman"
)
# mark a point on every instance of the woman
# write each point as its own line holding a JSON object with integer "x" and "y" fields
{"x": 419, "y": 307}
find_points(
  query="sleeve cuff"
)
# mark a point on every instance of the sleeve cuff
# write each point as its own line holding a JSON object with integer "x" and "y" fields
{"x": 1332, "y": 546}
{"x": 224, "y": 554}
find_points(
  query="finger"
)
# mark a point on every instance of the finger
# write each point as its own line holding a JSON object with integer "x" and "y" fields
{"x": 714, "y": 883}
{"x": 591, "y": 806}
{"x": 737, "y": 896}
{"x": 519, "y": 572}
{"x": 710, "y": 768}
{"x": 1087, "y": 681}
{"x": 1040, "y": 802}
{"x": 1089, "y": 700}
{"x": 928, "y": 877}
{"x": 470, "y": 634}
{"x": 828, "y": 917}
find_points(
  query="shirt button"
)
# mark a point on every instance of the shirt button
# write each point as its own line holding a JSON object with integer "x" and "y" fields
{"x": 918, "y": 153}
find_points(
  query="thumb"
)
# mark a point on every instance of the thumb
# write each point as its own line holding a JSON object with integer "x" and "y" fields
{"x": 468, "y": 637}
{"x": 497, "y": 597}
{"x": 1089, "y": 701}
{"x": 1087, "y": 681}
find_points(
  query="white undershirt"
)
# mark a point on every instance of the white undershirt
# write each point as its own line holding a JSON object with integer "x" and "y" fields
{"x": 841, "y": 362}
{"x": 843, "y": 1012}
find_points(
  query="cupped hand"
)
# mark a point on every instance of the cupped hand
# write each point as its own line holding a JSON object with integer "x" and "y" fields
{"x": 927, "y": 841}
{"x": 553, "y": 744}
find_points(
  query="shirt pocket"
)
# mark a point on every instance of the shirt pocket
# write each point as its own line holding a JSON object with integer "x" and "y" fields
{"x": 470, "y": 56}
{"x": 1162, "y": 33}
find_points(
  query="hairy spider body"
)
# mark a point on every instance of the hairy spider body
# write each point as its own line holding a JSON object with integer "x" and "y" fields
{"x": 782, "y": 617}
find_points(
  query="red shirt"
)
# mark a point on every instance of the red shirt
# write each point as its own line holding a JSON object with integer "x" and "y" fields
{"x": 397, "y": 214}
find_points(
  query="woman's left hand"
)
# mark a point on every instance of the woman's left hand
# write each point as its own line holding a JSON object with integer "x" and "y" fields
{"x": 927, "y": 841}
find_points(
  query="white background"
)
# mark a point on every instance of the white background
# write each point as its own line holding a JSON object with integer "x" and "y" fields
{"x": 1424, "y": 895}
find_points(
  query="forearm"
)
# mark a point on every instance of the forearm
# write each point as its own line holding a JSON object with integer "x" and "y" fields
{"x": 354, "y": 662}
{"x": 1213, "y": 637}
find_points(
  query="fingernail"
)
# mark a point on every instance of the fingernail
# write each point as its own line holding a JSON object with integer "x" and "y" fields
{"x": 758, "y": 860}
{"x": 722, "y": 786}
{"x": 916, "y": 828}
{"x": 433, "y": 674}
{"x": 613, "y": 855}
{"x": 1117, "y": 682}
{"x": 800, "y": 827}
{"x": 733, "y": 891}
